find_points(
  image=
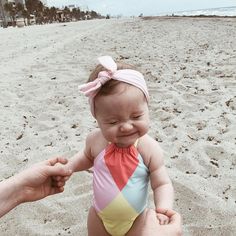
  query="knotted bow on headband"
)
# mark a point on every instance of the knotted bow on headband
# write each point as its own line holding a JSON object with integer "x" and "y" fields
{"x": 129, "y": 76}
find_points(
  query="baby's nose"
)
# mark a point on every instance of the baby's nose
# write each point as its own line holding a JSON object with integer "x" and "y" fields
{"x": 126, "y": 127}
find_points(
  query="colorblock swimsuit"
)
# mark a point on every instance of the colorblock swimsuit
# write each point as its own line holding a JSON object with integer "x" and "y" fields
{"x": 120, "y": 185}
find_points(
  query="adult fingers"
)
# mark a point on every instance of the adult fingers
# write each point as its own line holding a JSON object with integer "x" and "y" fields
{"x": 58, "y": 183}
{"x": 151, "y": 217}
{"x": 56, "y": 190}
{"x": 175, "y": 219}
{"x": 57, "y": 178}
{"x": 65, "y": 178}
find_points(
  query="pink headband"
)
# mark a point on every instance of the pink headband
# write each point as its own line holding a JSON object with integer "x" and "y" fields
{"x": 129, "y": 76}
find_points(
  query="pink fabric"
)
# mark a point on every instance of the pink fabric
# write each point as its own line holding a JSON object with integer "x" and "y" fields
{"x": 129, "y": 76}
{"x": 103, "y": 183}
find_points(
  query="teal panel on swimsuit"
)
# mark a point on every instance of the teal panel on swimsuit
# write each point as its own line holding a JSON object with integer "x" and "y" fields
{"x": 136, "y": 189}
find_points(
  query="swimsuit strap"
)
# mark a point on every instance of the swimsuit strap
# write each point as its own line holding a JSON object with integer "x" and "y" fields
{"x": 136, "y": 143}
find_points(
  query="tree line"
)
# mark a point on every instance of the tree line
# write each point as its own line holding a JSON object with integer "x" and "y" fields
{"x": 43, "y": 14}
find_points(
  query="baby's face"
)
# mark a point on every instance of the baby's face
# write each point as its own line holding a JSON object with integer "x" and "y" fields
{"x": 123, "y": 117}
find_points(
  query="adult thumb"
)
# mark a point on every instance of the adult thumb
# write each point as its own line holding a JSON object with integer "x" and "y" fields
{"x": 151, "y": 217}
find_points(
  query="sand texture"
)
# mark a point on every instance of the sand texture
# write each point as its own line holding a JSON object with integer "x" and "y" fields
{"x": 190, "y": 68}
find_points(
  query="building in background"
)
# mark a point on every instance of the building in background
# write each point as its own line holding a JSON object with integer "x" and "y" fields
{"x": 71, "y": 7}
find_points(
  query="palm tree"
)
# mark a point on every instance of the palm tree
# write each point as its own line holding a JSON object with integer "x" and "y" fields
{"x": 94, "y": 14}
{"x": 19, "y": 7}
{"x": 50, "y": 14}
{"x": 35, "y": 7}
{"x": 82, "y": 14}
{"x": 31, "y": 5}
{"x": 4, "y": 20}
{"x": 10, "y": 8}
{"x": 22, "y": 12}
{"x": 76, "y": 13}
{"x": 46, "y": 14}
{"x": 67, "y": 14}
{"x": 25, "y": 15}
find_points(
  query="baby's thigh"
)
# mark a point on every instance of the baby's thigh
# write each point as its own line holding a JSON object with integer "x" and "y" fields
{"x": 95, "y": 225}
{"x": 138, "y": 224}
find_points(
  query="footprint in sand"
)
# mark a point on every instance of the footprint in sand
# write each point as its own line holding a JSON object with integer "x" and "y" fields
{"x": 231, "y": 103}
{"x": 45, "y": 122}
{"x": 220, "y": 158}
{"x": 215, "y": 152}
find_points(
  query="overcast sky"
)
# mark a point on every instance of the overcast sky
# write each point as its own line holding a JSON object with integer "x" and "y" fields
{"x": 147, "y": 7}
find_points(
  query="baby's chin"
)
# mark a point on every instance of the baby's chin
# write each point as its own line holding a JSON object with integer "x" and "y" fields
{"x": 125, "y": 144}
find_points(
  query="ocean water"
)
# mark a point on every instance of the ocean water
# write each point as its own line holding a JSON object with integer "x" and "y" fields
{"x": 222, "y": 11}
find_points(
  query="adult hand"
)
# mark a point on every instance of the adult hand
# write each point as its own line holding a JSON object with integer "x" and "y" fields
{"x": 175, "y": 224}
{"x": 38, "y": 181}
{"x": 33, "y": 184}
{"x": 148, "y": 224}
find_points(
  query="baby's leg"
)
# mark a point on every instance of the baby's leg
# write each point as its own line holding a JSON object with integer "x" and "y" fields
{"x": 95, "y": 225}
{"x": 138, "y": 225}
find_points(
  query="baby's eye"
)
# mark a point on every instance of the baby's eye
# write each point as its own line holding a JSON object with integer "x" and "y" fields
{"x": 113, "y": 122}
{"x": 137, "y": 116}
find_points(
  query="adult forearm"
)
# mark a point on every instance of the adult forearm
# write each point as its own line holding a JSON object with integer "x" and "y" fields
{"x": 10, "y": 195}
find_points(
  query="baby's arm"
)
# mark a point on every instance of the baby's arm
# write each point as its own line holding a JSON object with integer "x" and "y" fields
{"x": 83, "y": 160}
{"x": 160, "y": 181}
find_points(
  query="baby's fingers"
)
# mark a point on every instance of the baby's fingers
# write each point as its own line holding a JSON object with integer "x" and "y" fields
{"x": 57, "y": 178}
{"x": 58, "y": 183}
{"x": 163, "y": 219}
{"x": 65, "y": 178}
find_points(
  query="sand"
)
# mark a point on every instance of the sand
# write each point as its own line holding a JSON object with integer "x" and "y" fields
{"x": 190, "y": 68}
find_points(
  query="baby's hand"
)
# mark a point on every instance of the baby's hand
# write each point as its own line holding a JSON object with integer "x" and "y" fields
{"x": 163, "y": 219}
{"x": 59, "y": 179}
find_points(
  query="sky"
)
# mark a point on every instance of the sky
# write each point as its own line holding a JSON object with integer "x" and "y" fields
{"x": 146, "y": 7}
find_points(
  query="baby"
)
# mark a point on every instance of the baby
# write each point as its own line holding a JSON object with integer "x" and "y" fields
{"x": 123, "y": 156}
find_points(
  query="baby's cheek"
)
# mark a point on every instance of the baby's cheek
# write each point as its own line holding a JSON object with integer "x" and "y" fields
{"x": 109, "y": 134}
{"x": 145, "y": 128}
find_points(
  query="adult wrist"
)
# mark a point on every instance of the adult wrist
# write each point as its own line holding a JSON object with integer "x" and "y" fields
{"x": 17, "y": 190}
{"x": 10, "y": 195}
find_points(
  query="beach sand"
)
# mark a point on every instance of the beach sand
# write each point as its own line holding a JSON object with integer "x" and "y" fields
{"x": 190, "y": 68}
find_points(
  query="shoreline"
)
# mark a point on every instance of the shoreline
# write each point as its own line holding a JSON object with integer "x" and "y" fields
{"x": 183, "y": 16}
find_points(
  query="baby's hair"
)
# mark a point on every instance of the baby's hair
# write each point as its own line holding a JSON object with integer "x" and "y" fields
{"x": 109, "y": 87}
